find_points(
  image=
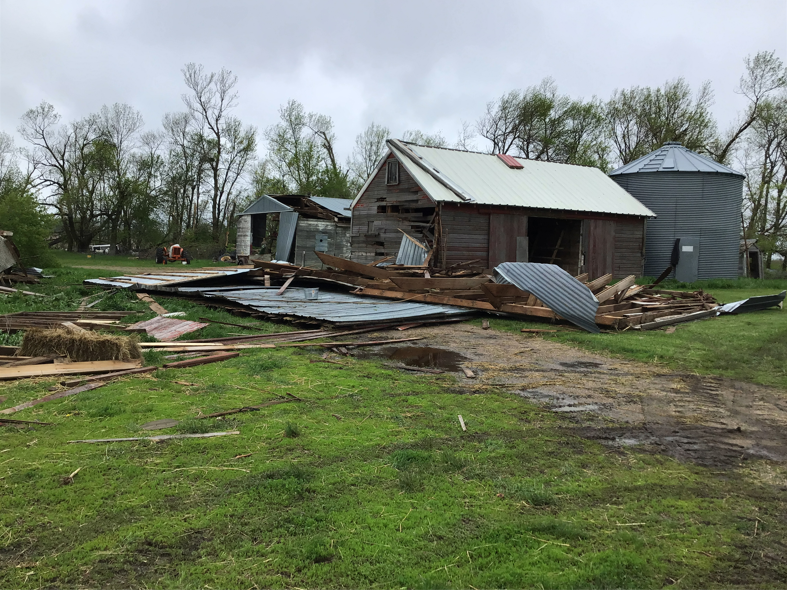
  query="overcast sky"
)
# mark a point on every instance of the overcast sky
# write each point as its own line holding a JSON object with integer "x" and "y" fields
{"x": 424, "y": 64}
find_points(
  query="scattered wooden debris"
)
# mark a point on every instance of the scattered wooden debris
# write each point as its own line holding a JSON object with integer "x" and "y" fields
{"x": 468, "y": 373}
{"x": 109, "y": 376}
{"x": 69, "y": 479}
{"x": 11, "y": 421}
{"x": 242, "y": 456}
{"x": 536, "y": 331}
{"x": 154, "y": 307}
{"x": 54, "y": 396}
{"x": 156, "y": 438}
{"x": 485, "y": 324}
{"x": 214, "y": 358}
{"x": 25, "y": 320}
{"x": 462, "y": 423}
{"x": 66, "y": 369}
{"x": 355, "y": 344}
{"x": 160, "y": 424}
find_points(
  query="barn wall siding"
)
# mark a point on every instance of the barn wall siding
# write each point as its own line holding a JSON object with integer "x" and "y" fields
{"x": 466, "y": 235}
{"x": 382, "y": 211}
{"x": 306, "y": 240}
{"x": 629, "y": 248}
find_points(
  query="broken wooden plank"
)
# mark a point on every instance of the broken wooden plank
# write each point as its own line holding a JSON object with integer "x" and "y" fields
{"x": 599, "y": 283}
{"x": 36, "y": 360}
{"x": 689, "y": 317}
{"x": 66, "y": 369}
{"x": 108, "y": 376}
{"x": 462, "y": 423}
{"x": 10, "y": 290}
{"x": 156, "y": 438}
{"x": 356, "y": 267}
{"x": 286, "y": 284}
{"x": 12, "y": 421}
{"x": 621, "y": 285}
{"x": 215, "y": 358}
{"x": 444, "y": 284}
{"x": 468, "y": 373}
{"x": 54, "y": 396}
{"x": 332, "y": 344}
{"x": 535, "y": 330}
{"x": 154, "y": 307}
{"x": 248, "y": 408}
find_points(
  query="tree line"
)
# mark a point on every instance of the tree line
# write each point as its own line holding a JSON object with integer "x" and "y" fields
{"x": 105, "y": 178}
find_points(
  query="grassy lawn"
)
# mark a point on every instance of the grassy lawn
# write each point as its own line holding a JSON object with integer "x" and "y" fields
{"x": 369, "y": 481}
{"x": 74, "y": 259}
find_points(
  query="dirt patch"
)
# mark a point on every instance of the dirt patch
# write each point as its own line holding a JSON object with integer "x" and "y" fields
{"x": 707, "y": 420}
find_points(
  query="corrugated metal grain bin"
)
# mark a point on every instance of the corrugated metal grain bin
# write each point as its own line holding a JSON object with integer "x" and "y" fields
{"x": 693, "y": 197}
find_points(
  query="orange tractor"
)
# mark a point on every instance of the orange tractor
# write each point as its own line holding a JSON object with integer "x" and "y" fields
{"x": 174, "y": 254}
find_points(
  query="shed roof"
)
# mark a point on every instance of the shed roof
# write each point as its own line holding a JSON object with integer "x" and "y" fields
{"x": 448, "y": 175}
{"x": 673, "y": 157}
{"x": 274, "y": 204}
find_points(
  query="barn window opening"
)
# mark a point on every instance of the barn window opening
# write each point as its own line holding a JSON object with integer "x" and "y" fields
{"x": 392, "y": 172}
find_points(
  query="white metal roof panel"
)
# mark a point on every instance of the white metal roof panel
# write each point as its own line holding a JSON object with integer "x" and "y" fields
{"x": 340, "y": 206}
{"x": 538, "y": 185}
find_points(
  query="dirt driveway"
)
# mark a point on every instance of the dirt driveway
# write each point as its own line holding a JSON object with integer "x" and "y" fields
{"x": 707, "y": 420}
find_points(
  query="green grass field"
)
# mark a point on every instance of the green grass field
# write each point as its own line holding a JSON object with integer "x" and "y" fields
{"x": 369, "y": 481}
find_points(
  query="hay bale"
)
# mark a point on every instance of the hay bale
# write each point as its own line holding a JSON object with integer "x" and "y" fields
{"x": 80, "y": 346}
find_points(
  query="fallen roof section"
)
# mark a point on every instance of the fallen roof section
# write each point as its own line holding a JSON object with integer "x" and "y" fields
{"x": 559, "y": 291}
{"x": 343, "y": 309}
{"x": 170, "y": 281}
{"x": 754, "y": 304}
{"x": 168, "y": 329}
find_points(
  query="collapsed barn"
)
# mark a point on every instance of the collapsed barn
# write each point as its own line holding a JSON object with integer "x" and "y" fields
{"x": 491, "y": 209}
{"x": 293, "y": 227}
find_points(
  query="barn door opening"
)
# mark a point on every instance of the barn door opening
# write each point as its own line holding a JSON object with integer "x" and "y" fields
{"x": 556, "y": 241}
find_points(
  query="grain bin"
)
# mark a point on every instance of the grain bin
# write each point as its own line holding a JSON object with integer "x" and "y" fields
{"x": 696, "y": 200}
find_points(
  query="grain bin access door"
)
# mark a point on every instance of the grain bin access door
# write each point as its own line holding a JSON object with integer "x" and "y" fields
{"x": 687, "y": 265}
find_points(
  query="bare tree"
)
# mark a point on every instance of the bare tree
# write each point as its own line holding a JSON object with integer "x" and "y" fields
{"x": 369, "y": 148}
{"x": 500, "y": 124}
{"x": 465, "y": 137}
{"x": 765, "y": 74}
{"x": 63, "y": 159}
{"x": 421, "y": 138}
{"x": 229, "y": 147}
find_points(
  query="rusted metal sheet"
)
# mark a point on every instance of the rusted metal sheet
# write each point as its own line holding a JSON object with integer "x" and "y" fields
{"x": 167, "y": 329}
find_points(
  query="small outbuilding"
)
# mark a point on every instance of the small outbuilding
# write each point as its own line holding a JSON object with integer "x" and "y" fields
{"x": 487, "y": 209}
{"x": 750, "y": 261}
{"x": 293, "y": 227}
{"x": 698, "y": 206}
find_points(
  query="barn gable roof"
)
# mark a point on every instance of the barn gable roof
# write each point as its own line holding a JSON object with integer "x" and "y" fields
{"x": 448, "y": 175}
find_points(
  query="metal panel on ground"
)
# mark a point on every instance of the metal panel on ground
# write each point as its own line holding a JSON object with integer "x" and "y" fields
{"x": 754, "y": 304}
{"x": 288, "y": 222}
{"x": 559, "y": 291}
{"x": 336, "y": 308}
{"x": 169, "y": 280}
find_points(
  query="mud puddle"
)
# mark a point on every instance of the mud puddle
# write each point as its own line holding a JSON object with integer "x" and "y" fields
{"x": 703, "y": 419}
{"x": 419, "y": 356}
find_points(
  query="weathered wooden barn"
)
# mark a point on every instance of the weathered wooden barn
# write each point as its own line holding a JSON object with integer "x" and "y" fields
{"x": 497, "y": 208}
{"x": 300, "y": 226}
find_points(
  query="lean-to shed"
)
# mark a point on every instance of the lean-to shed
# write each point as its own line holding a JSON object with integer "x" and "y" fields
{"x": 300, "y": 225}
{"x": 491, "y": 209}
{"x": 697, "y": 201}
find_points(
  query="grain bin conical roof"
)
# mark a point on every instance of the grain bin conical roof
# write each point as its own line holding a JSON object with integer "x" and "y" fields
{"x": 673, "y": 157}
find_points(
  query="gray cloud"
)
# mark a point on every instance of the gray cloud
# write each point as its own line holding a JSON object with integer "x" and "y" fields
{"x": 410, "y": 64}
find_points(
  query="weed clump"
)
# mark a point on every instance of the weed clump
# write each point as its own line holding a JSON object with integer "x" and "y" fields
{"x": 292, "y": 430}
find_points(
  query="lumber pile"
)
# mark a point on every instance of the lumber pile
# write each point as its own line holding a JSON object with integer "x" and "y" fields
{"x": 622, "y": 304}
{"x": 26, "y": 320}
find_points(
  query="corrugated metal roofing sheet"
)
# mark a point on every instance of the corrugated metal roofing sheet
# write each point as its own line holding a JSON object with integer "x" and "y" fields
{"x": 265, "y": 204}
{"x": 754, "y": 304}
{"x": 288, "y": 223}
{"x": 340, "y": 206}
{"x": 673, "y": 157}
{"x": 168, "y": 281}
{"x": 410, "y": 253}
{"x": 487, "y": 180}
{"x": 559, "y": 291}
{"x": 337, "y": 308}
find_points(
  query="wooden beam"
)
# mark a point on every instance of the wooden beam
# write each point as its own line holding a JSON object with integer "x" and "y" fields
{"x": 699, "y": 315}
{"x": 599, "y": 283}
{"x": 156, "y": 438}
{"x": 214, "y": 358}
{"x": 108, "y": 376}
{"x": 447, "y": 284}
{"x": 610, "y": 292}
{"x": 66, "y": 369}
{"x": 51, "y": 397}
{"x": 361, "y": 269}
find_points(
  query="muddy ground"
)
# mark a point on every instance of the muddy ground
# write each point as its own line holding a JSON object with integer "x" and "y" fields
{"x": 707, "y": 420}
